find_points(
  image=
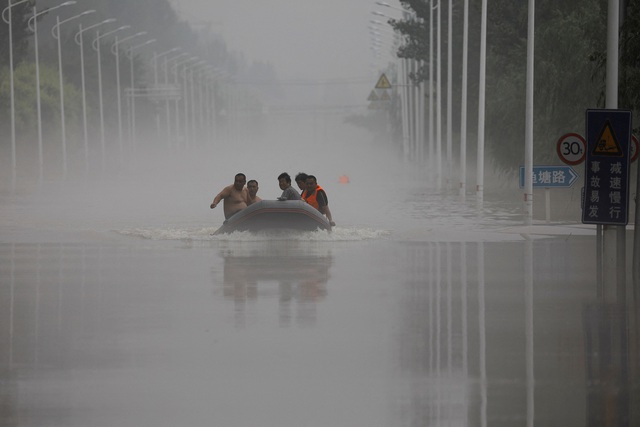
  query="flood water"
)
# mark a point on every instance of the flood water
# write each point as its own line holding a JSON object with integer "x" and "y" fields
{"x": 118, "y": 308}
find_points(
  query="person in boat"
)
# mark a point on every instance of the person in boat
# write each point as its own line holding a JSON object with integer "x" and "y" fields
{"x": 235, "y": 196}
{"x": 317, "y": 197}
{"x": 301, "y": 180}
{"x": 288, "y": 192}
{"x": 252, "y": 191}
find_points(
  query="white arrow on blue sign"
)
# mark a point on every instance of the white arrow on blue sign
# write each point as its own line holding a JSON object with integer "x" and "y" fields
{"x": 560, "y": 176}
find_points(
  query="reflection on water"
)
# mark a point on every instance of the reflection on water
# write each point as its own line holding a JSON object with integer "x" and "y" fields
{"x": 287, "y": 271}
{"x": 494, "y": 335}
{"x": 448, "y": 333}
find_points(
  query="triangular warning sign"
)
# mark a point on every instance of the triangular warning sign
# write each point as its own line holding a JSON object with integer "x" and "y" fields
{"x": 373, "y": 96}
{"x": 607, "y": 143}
{"x": 383, "y": 82}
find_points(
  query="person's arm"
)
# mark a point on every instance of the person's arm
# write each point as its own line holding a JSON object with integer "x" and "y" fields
{"x": 323, "y": 202}
{"x": 226, "y": 192}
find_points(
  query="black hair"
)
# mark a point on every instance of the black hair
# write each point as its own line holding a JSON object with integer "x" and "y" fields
{"x": 242, "y": 175}
{"x": 285, "y": 176}
{"x": 312, "y": 177}
{"x": 252, "y": 180}
{"x": 301, "y": 176}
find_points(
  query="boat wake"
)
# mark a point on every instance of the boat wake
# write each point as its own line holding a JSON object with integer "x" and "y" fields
{"x": 338, "y": 234}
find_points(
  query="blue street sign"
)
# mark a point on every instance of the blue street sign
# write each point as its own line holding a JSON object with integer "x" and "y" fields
{"x": 560, "y": 176}
{"x": 606, "y": 177}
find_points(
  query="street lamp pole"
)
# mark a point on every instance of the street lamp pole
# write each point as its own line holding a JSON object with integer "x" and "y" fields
{"x": 184, "y": 97}
{"x": 33, "y": 26}
{"x": 13, "y": 109}
{"x": 80, "y": 41}
{"x": 116, "y": 52}
{"x": 96, "y": 46}
{"x": 55, "y": 32}
{"x": 157, "y": 56}
{"x": 133, "y": 92}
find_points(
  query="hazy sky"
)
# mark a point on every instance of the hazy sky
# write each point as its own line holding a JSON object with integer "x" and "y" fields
{"x": 303, "y": 39}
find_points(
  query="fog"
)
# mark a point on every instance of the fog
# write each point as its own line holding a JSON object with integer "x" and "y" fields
{"x": 119, "y": 307}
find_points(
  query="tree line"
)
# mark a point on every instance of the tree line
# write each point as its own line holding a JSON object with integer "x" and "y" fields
{"x": 156, "y": 18}
{"x": 569, "y": 70}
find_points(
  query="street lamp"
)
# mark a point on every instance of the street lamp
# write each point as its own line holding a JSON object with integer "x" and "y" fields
{"x": 157, "y": 56}
{"x": 13, "y": 109}
{"x": 55, "y": 32}
{"x": 167, "y": 60}
{"x": 80, "y": 41}
{"x": 33, "y": 26}
{"x": 184, "y": 96}
{"x": 116, "y": 52}
{"x": 96, "y": 46}
{"x": 133, "y": 92}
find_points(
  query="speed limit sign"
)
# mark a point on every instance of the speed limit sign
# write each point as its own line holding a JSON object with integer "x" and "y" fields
{"x": 571, "y": 148}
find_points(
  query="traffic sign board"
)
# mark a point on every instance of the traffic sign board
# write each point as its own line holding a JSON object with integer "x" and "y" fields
{"x": 383, "y": 82}
{"x": 551, "y": 176}
{"x": 606, "y": 178}
{"x": 571, "y": 148}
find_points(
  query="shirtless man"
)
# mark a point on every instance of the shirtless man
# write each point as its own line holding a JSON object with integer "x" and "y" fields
{"x": 252, "y": 192}
{"x": 235, "y": 196}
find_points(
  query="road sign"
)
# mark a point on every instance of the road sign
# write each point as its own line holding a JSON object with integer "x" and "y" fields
{"x": 383, "y": 82}
{"x": 551, "y": 176}
{"x": 571, "y": 148}
{"x": 606, "y": 177}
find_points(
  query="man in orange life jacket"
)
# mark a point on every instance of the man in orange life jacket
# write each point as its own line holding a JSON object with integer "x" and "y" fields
{"x": 316, "y": 197}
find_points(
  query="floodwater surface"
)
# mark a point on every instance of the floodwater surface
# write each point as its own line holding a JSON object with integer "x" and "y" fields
{"x": 119, "y": 308}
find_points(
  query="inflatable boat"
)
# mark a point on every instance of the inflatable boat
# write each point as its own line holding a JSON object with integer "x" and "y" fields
{"x": 276, "y": 215}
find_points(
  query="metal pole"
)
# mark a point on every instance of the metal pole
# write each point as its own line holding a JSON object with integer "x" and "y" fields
{"x": 431, "y": 122}
{"x": 528, "y": 149}
{"x": 34, "y": 18}
{"x": 38, "y": 101}
{"x": 463, "y": 112}
{"x": 101, "y": 107}
{"x": 614, "y": 256}
{"x": 62, "y": 125}
{"x": 449, "y": 100}
{"x": 84, "y": 101}
{"x": 481, "y": 107}
{"x": 8, "y": 20}
{"x": 439, "y": 97}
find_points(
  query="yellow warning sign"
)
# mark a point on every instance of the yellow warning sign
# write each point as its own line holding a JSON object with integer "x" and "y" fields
{"x": 383, "y": 82}
{"x": 373, "y": 96}
{"x": 607, "y": 143}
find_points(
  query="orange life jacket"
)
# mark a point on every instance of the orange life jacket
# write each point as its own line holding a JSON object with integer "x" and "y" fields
{"x": 312, "y": 199}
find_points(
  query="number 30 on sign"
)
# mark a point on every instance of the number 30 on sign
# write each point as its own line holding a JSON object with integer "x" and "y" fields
{"x": 571, "y": 148}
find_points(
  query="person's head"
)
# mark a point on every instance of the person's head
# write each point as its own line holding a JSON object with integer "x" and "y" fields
{"x": 284, "y": 180}
{"x": 239, "y": 181}
{"x": 252, "y": 187}
{"x": 301, "y": 180}
{"x": 311, "y": 183}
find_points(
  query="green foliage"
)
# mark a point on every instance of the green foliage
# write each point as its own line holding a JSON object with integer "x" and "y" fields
{"x": 569, "y": 38}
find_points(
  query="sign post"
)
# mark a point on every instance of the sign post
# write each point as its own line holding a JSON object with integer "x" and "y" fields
{"x": 606, "y": 177}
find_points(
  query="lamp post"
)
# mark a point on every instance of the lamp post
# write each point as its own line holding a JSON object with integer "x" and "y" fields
{"x": 80, "y": 41}
{"x": 115, "y": 51}
{"x": 133, "y": 92}
{"x": 157, "y": 56}
{"x": 167, "y": 60}
{"x": 55, "y": 32}
{"x": 96, "y": 46}
{"x": 33, "y": 26}
{"x": 184, "y": 96}
{"x": 8, "y": 20}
